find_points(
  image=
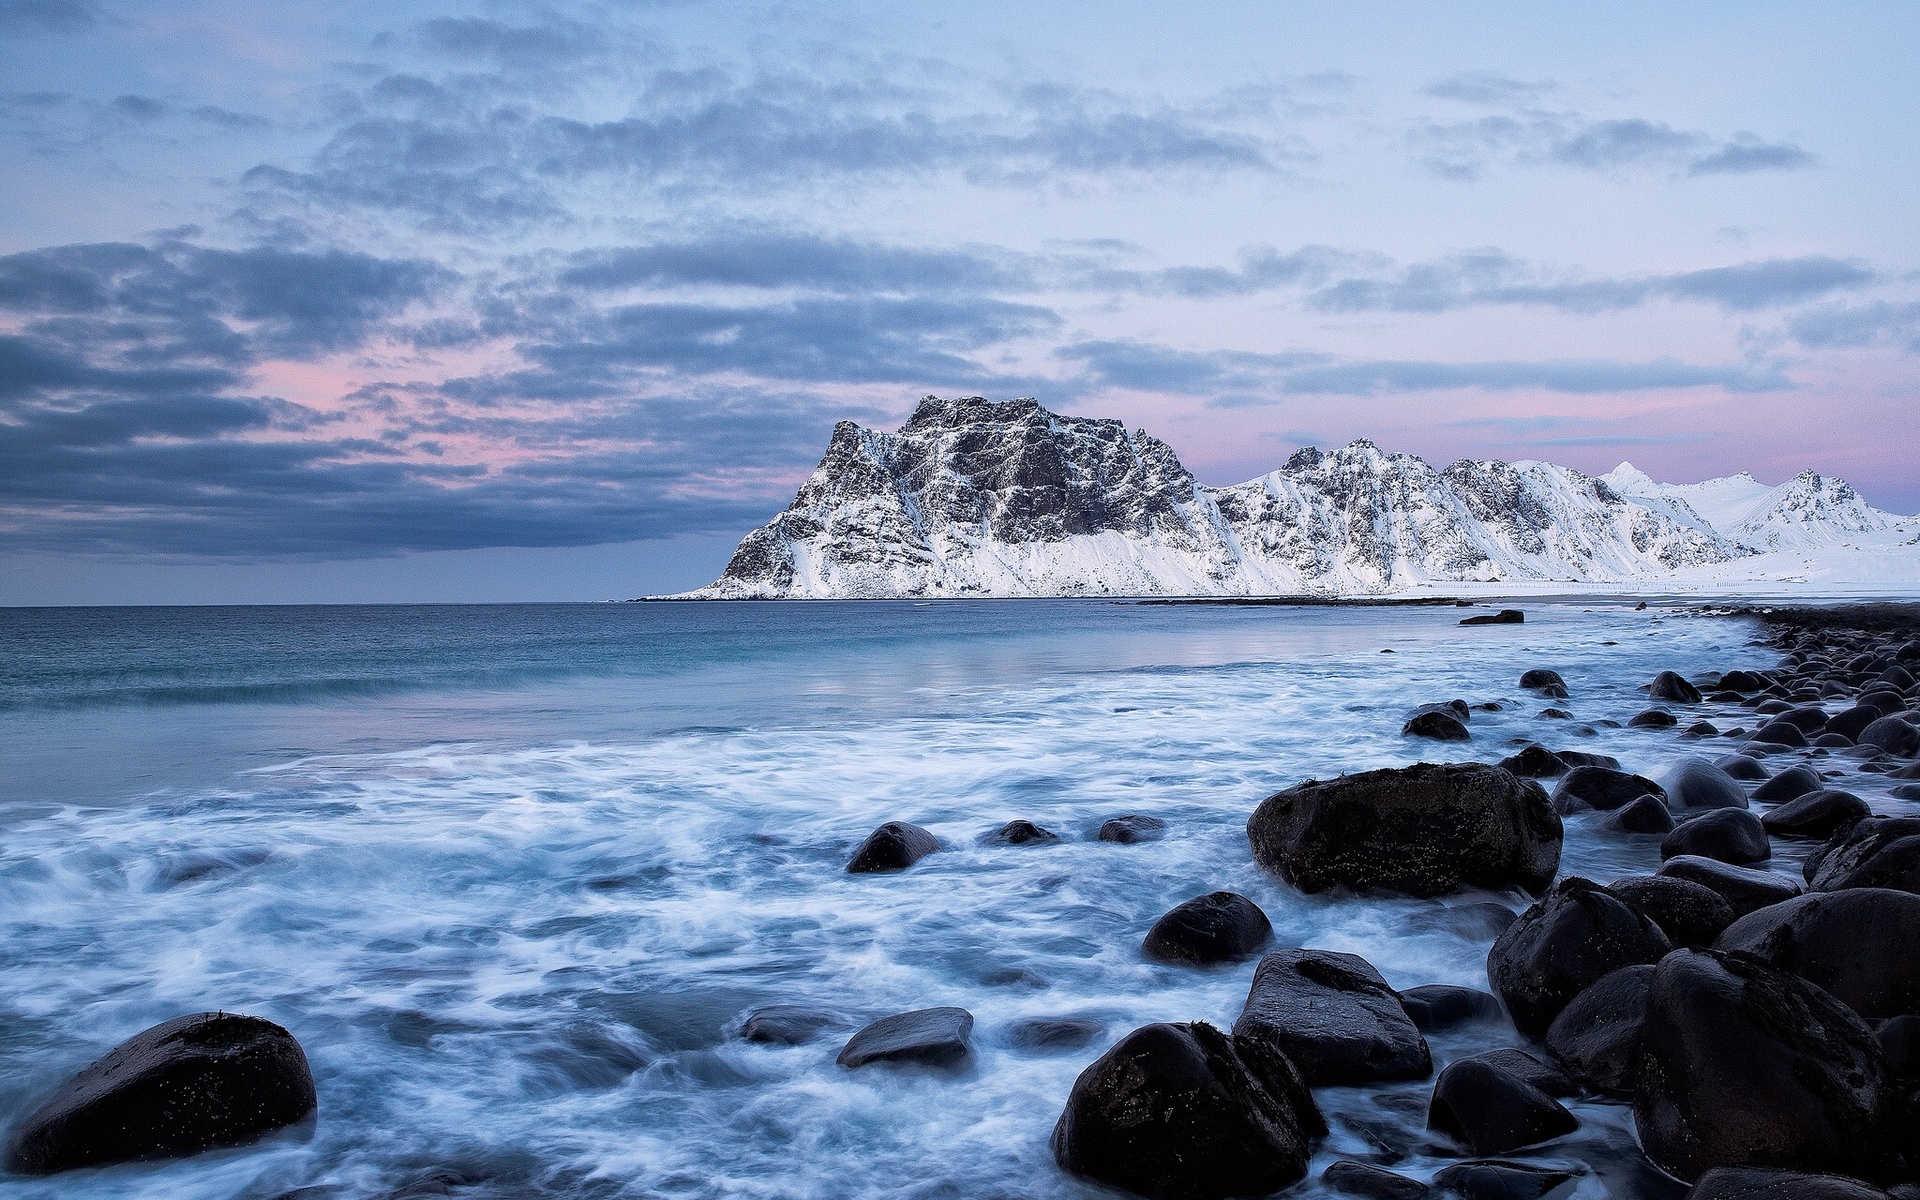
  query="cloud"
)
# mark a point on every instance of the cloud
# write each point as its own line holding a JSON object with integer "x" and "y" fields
{"x": 49, "y": 16}
{"x": 1520, "y": 132}
{"x": 1849, "y": 325}
{"x": 773, "y": 260}
{"x": 1235, "y": 379}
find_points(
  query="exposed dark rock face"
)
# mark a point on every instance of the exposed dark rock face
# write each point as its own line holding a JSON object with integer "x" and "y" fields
{"x": 1789, "y": 785}
{"x": 1351, "y": 1178}
{"x": 1506, "y": 616}
{"x": 937, "y": 1037}
{"x": 1861, "y": 945}
{"x": 1544, "y": 1075}
{"x": 1437, "y": 726}
{"x": 1697, "y": 783}
{"x": 1892, "y": 735}
{"x": 1648, "y": 814}
{"x": 1218, "y": 927}
{"x": 1745, "y": 1065}
{"x": 1493, "y": 1112}
{"x": 1130, "y": 830}
{"x": 1742, "y": 887}
{"x": 1779, "y": 733}
{"x": 788, "y": 1024}
{"x": 1051, "y": 1035}
{"x": 1020, "y": 833}
{"x": 1185, "y": 1112}
{"x": 1818, "y": 814}
{"x": 1334, "y": 1017}
{"x": 1562, "y": 945}
{"x": 1673, "y": 688}
{"x": 1585, "y": 788}
{"x": 894, "y": 846}
{"x": 1496, "y": 1180}
{"x": 1597, "y": 1037}
{"x": 1751, "y": 1183}
{"x": 1653, "y": 718}
{"x": 1877, "y": 852}
{"x": 1535, "y": 761}
{"x": 1740, "y": 766}
{"x": 192, "y": 1084}
{"x": 1690, "y": 914}
{"x": 1539, "y": 679}
{"x": 1437, "y": 1006}
{"x": 1423, "y": 830}
{"x": 1729, "y": 835}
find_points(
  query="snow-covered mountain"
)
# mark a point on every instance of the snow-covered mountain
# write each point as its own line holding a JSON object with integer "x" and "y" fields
{"x": 978, "y": 498}
{"x": 1807, "y": 512}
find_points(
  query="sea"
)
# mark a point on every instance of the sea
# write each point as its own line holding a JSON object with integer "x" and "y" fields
{"x": 515, "y": 875}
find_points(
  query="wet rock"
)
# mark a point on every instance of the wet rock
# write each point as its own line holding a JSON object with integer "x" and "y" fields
{"x": 1779, "y": 733}
{"x": 1817, "y": 814}
{"x": 1892, "y": 735}
{"x": 1129, "y": 830}
{"x": 1697, "y": 783}
{"x": 1578, "y": 934}
{"x": 1218, "y": 927}
{"x": 1648, "y": 814}
{"x": 1653, "y": 718}
{"x": 1853, "y": 722}
{"x": 1899, "y": 1039}
{"x": 1535, "y": 761}
{"x": 1597, "y": 1037}
{"x": 1423, "y": 830}
{"x": 1582, "y": 758}
{"x": 1741, "y": 766}
{"x": 1742, "y": 681}
{"x": 192, "y": 1084}
{"x": 1743, "y": 1064}
{"x": 1556, "y": 714}
{"x": 1672, "y": 688}
{"x": 1185, "y": 1112}
{"x": 1020, "y": 833}
{"x": 1759, "y": 1183}
{"x": 931, "y": 1036}
{"x": 894, "y": 846}
{"x": 1544, "y": 1075}
{"x": 1744, "y": 888}
{"x": 788, "y": 1024}
{"x": 1051, "y": 1035}
{"x": 1808, "y": 720}
{"x": 1887, "y": 702}
{"x": 1334, "y": 1017}
{"x": 1351, "y": 1178}
{"x": 1862, "y": 945}
{"x": 1833, "y": 741}
{"x": 1875, "y": 852}
{"x": 1493, "y": 1112}
{"x": 1500, "y": 1180}
{"x": 1730, "y": 835}
{"x": 1437, "y": 1006}
{"x": 1436, "y": 725}
{"x": 1585, "y": 788}
{"x": 1506, "y": 616}
{"x": 1690, "y": 914}
{"x": 1789, "y": 785}
{"x": 1702, "y": 729}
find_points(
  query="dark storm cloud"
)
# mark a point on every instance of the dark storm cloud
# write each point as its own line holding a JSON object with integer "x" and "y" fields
{"x": 1519, "y": 131}
{"x": 1238, "y": 379}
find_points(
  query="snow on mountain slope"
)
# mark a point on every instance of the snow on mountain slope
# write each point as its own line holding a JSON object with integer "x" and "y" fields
{"x": 1807, "y": 511}
{"x": 975, "y": 498}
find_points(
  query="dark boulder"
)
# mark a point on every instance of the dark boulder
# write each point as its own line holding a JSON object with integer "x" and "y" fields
{"x": 1690, "y": 914}
{"x": 1742, "y": 1064}
{"x": 1853, "y": 722}
{"x": 1861, "y": 945}
{"x": 1817, "y": 814}
{"x": 1603, "y": 788}
{"x": 1653, "y": 718}
{"x": 1584, "y": 758}
{"x": 1759, "y": 1183}
{"x": 1541, "y": 679}
{"x": 1334, "y": 1017}
{"x": 1496, "y": 1180}
{"x": 1744, "y": 767}
{"x": 1184, "y": 1112}
{"x": 1702, "y": 729}
{"x": 1671, "y": 687}
{"x": 1697, "y": 783}
{"x": 1730, "y": 835}
{"x": 1436, "y": 725}
{"x": 1562, "y": 945}
{"x": 1491, "y": 1111}
{"x": 1218, "y": 927}
{"x": 1558, "y": 714}
{"x": 1779, "y": 733}
{"x": 1648, "y": 814}
{"x": 1047, "y": 1035}
{"x": 1742, "y": 887}
{"x": 1742, "y": 681}
{"x": 1131, "y": 829}
{"x": 1892, "y": 735}
{"x": 1351, "y": 1178}
{"x": 1875, "y": 852}
{"x": 1597, "y": 1037}
{"x": 1899, "y": 1039}
{"x": 1506, "y": 616}
{"x": 1544, "y": 1075}
{"x": 1020, "y": 833}
{"x": 1905, "y": 791}
{"x": 788, "y": 1025}
{"x": 932, "y": 1036}
{"x": 1789, "y": 785}
{"x": 1437, "y": 1006}
{"x": 194, "y": 1083}
{"x": 894, "y": 846}
{"x": 1423, "y": 830}
{"x": 1534, "y": 761}
{"x": 1808, "y": 719}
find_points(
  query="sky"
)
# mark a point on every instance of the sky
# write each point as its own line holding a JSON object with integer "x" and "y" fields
{"x": 430, "y": 301}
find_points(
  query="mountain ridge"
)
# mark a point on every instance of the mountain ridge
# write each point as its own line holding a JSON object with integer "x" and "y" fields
{"x": 972, "y": 497}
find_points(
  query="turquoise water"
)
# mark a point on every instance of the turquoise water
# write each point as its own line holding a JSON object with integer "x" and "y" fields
{"x": 513, "y": 875}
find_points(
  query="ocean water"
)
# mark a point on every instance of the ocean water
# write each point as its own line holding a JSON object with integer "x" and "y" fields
{"x": 514, "y": 875}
